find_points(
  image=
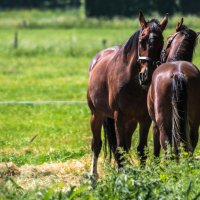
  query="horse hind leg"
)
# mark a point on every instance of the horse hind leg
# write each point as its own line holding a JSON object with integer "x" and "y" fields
{"x": 110, "y": 134}
{"x": 194, "y": 136}
{"x": 156, "y": 140}
{"x": 96, "y": 124}
{"x": 165, "y": 133}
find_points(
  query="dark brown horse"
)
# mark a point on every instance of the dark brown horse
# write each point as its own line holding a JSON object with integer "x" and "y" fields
{"x": 174, "y": 94}
{"x": 118, "y": 78}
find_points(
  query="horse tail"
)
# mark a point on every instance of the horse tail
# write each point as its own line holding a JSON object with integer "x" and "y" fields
{"x": 179, "y": 110}
{"x": 109, "y": 136}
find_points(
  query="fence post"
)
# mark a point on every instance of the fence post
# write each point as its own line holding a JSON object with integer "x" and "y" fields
{"x": 16, "y": 40}
{"x": 104, "y": 42}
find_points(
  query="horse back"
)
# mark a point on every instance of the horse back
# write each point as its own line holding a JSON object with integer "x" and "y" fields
{"x": 103, "y": 54}
{"x": 161, "y": 87}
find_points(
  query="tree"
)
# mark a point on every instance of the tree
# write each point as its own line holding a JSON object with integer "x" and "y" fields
{"x": 190, "y": 7}
{"x": 11, "y": 4}
{"x": 165, "y": 6}
{"x": 111, "y": 8}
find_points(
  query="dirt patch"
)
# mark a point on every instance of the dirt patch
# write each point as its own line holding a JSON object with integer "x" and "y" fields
{"x": 63, "y": 174}
{"x": 8, "y": 169}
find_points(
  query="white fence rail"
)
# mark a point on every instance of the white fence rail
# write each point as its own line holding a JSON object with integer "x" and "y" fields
{"x": 42, "y": 102}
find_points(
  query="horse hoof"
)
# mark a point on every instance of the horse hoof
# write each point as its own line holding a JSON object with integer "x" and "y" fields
{"x": 94, "y": 176}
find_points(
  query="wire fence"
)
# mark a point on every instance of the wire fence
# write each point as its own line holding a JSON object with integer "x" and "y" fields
{"x": 41, "y": 102}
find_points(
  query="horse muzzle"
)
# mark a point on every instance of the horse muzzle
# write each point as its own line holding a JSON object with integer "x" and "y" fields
{"x": 144, "y": 77}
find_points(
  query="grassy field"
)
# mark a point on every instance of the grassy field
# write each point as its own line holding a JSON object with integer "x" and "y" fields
{"x": 49, "y": 145}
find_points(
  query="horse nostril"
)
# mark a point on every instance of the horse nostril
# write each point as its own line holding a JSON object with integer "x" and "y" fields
{"x": 141, "y": 76}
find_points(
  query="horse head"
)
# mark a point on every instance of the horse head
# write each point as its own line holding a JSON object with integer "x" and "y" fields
{"x": 180, "y": 45}
{"x": 149, "y": 46}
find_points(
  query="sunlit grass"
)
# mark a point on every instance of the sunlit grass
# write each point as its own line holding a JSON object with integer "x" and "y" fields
{"x": 43, "y": 78}
{"x": 35, "y": 134}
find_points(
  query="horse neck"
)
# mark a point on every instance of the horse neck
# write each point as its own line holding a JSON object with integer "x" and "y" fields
{"x": 133, "y": 64}
{"x": 130, "y": 54}
{"x": 184, "y": 56}
{"x": 183, "y": 53}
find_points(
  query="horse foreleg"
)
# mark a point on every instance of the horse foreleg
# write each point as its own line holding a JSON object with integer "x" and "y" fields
{"x": 120, "y": 136}
{"x": 130, "y": 128}
{"x": 96, "y": 124}
{"x": 143, "y": 135}
{"x": 156, "y": 140}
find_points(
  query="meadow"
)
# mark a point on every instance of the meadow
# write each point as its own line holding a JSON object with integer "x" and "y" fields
{"x": 51, "y": 63}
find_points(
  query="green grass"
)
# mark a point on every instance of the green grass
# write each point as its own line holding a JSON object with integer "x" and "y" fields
{"x": 51, "y": 63}
{"x": 58, "y": 129}
{"x": 63, "y": 42}
{"x": 43, "y": 78}
{"x": 34, "y": 19}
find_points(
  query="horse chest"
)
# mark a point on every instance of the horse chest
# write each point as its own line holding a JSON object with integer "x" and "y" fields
{"x": 131, "y": 101}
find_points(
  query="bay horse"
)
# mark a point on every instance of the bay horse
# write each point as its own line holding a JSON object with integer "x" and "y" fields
{"x": 174, "y": 94}
{"x": 118, "y": 78}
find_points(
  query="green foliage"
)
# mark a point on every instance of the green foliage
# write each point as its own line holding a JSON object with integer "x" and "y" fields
{"x": 165, "y": 180}
{"x": 190, "y": 7}
{"x": 116, "y": 8}
{"x": 9, "y": 4}
{"x": 111, "y": 8}
{"x": 99, "y": 8}
{"x": 163, "y": 6}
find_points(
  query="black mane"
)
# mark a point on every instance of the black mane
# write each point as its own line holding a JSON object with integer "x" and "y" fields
{"x": 187, "y": 47}
{"x": 132, "y": 43}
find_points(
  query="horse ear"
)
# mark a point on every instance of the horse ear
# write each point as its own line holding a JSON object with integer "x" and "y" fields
{"x": 164, "y": 22}
{"x": 179, "y": 24}
{"x": 142, "y": 21}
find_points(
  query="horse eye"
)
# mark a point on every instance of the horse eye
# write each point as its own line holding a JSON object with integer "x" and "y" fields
{"x": 169, "y": 37}
{"x": 143, "y": 42}
{"x": 151, "y": 41}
